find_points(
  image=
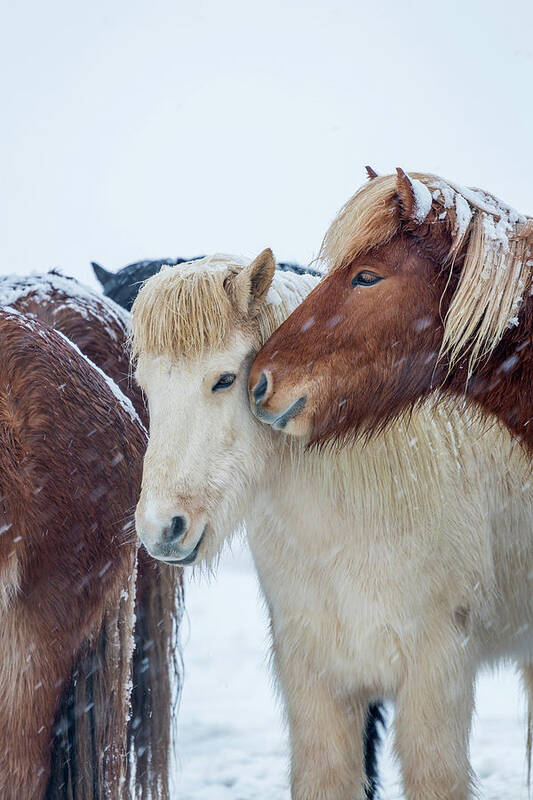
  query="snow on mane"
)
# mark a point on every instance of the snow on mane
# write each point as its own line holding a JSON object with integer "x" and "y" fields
{"x": 495, "y": 274}
{"x": 217, "y": 262}
{"x": 423, "y": 200}
{"x": 287, "y": 287}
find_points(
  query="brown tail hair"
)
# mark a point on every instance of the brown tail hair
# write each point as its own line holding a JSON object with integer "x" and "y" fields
{"x": 156, "y": 677}
{"x": 104, "y": 748}
{"x": 89, "y": 751}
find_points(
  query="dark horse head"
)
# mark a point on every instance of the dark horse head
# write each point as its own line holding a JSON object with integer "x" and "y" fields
{"x": 123, "y": 286}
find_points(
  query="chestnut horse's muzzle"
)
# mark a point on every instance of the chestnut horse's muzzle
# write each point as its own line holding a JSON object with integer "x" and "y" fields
{"x": 263, "y": 405}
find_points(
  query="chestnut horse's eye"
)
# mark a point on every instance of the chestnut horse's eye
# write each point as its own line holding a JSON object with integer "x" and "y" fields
{"x": 226, "y": 380}
{"x": 366, "y": 278}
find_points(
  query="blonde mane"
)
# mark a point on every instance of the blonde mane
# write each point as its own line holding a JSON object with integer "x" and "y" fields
{"x": 185, "y": 310}
{"x": 497, "y": 240}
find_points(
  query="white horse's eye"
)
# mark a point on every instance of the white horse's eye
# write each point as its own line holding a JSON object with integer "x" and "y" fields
{"x": 226, "y": 380}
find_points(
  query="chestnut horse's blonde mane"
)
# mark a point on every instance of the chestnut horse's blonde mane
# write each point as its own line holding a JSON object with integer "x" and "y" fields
{"x": 185, "y": 310}
{"x": 496, "y": 239}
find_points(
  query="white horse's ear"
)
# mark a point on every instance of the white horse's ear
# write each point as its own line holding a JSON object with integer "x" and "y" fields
{"x": 249, "y": 287}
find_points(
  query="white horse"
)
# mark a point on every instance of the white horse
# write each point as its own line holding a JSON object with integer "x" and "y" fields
{"x": 394, "y": 569}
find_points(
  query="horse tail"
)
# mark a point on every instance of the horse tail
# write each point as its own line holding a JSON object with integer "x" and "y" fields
{"x": 374, "y": 726}
{"x": 527, "y": 681}
{"x": 90, "y": 747}
{"x": 156, "y": 676}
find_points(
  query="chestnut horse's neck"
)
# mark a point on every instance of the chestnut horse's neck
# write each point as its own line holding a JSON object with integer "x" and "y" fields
{"x": 503, "y": 384}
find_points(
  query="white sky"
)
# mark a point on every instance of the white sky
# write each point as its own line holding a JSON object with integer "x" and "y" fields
{"x": 136, "y": 130}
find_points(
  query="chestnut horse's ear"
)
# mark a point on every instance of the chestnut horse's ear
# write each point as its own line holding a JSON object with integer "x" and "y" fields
{"x": 415, "y": 198}
{"x": 371, "y": 173}
{"x": 249, "y": 287}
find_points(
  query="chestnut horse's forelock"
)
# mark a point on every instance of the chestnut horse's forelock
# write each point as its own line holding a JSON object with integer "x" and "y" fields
{"x": 99, "y": 328}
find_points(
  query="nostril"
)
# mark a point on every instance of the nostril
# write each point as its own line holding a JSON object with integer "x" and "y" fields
{"x": 260, "y": 388}
{"x": 176, "y": 530}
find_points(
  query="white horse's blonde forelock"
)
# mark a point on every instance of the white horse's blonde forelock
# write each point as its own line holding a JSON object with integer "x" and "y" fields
{"x": 182, "y": 311}
{"x": 496, "y": 239}
{"x": 186, "y": 310}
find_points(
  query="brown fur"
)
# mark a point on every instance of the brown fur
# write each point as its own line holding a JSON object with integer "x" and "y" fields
{"x": 70, "y": 464}
{"x": 91, "y": 713}
{"x": 99, "y": 329}
{"x": 95, "y": 324}
{"x": 454, "y": 312}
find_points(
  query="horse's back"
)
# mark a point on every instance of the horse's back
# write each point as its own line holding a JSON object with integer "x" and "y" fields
{"x": 97, "y": 325}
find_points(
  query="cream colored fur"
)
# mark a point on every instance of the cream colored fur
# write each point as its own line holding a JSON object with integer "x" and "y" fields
{"x": 393, "y": 569}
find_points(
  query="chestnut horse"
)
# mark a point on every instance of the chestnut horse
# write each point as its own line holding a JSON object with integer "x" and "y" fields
{"x": 395, "y": 569}
{"x": 99, "y": 328}
{"x": 429, "y": 288}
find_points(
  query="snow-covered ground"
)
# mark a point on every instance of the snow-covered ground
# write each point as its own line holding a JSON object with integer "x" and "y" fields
{"x": 232, "y": 744}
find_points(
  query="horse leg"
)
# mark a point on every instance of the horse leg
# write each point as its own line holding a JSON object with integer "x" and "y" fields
{"x": 375, "y": 725}
{"x": 527, "y": 681}
{"x": 433, "y": 718}
{"x": 326, "y": 735}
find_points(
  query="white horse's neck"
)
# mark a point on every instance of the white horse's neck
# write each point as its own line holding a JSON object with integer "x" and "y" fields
{"x": 403, "y": 479}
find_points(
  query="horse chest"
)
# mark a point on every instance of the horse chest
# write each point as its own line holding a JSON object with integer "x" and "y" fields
{"x": 346, "y": 612}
